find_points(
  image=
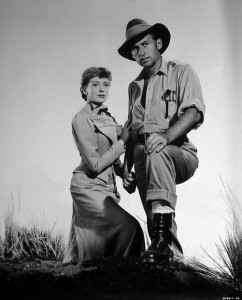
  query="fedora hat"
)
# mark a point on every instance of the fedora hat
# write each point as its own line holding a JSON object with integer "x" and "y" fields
{"x": 137, "y": 29}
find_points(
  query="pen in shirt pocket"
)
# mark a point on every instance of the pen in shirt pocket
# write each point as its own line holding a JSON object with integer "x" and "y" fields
{"x": 168, "y": 96}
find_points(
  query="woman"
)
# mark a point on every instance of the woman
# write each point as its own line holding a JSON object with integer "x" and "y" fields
{"x": 100, "y": 227}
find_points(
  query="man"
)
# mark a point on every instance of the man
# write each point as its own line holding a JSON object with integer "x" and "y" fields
{"x": 165, "y": 103}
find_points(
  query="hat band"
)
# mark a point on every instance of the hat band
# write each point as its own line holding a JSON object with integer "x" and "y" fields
{"x": 135, "y": 30}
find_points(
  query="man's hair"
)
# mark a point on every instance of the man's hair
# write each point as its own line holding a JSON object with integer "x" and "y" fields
{"x": 91, "y": 73}
{"x": 153, "y": 35}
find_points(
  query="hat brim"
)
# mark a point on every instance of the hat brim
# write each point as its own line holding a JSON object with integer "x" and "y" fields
{"x": 160, "y": 31}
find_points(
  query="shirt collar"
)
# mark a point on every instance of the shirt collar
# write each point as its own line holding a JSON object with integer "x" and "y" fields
{"x": 162, "y": 70}
{"x": 93, "y": 107}
{"x": 164, "y": 67}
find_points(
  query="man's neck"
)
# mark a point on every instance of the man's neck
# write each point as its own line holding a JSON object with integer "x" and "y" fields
{"x": 151, "y": 71}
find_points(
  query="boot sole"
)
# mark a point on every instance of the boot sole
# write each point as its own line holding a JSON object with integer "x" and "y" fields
{"x": 152, "y": 260}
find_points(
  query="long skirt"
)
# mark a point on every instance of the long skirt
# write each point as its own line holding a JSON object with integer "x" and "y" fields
{"x": 100, "y": 227}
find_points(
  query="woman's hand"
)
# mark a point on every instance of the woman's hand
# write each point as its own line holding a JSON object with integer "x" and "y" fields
{"x": 126, "y": 132}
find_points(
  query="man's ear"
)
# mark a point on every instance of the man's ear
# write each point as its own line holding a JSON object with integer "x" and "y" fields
{"x": 159, "y": 43}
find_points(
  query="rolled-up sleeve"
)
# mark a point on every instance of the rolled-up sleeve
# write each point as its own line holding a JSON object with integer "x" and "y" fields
{"x": 86, "y": 141}
{"x": 190, "y": 92}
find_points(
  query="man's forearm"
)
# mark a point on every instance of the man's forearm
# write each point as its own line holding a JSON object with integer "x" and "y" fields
{"x": 186, "y": 123}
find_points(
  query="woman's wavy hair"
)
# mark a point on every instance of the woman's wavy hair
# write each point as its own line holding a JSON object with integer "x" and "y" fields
{"x": 91, "y": 73}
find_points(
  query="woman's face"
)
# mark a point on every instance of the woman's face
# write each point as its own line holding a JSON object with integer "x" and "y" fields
{"x": 97, "y": 90}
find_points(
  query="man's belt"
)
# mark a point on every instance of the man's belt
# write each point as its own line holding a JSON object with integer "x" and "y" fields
{"x": 141, "y": 138}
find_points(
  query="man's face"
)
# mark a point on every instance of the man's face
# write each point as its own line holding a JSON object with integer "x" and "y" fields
{"x": 146, "y": 51}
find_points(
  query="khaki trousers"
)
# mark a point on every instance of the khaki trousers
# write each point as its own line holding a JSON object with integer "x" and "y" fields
{"x": 157, "y": 175}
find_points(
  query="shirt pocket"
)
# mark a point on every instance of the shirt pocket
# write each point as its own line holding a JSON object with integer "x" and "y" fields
{"x": 106, "y": 127}
{"x": 169, "y": 103}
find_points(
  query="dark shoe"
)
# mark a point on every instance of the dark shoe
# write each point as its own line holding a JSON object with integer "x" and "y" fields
{"x": 160, "y": 249}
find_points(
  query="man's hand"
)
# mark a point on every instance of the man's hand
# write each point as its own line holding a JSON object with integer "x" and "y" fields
{"x": 126, "y": 132}
{"x": 156, "y": 142}
{"x": 129, "y": 183}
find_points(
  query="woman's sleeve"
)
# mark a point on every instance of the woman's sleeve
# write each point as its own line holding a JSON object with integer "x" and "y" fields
{"x": 85, "y": 138}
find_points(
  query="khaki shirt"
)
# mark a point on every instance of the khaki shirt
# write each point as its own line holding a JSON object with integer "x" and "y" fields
{"x": 170, "y": 91}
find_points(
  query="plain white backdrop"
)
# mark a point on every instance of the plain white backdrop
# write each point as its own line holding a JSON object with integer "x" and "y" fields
{"x": 45, "y": 46}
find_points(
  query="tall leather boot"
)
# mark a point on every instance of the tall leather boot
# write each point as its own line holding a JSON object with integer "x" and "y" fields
{"x": 161, "y": 239}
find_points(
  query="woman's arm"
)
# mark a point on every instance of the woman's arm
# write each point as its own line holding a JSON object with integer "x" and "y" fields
{"x": 85, "y": 138}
